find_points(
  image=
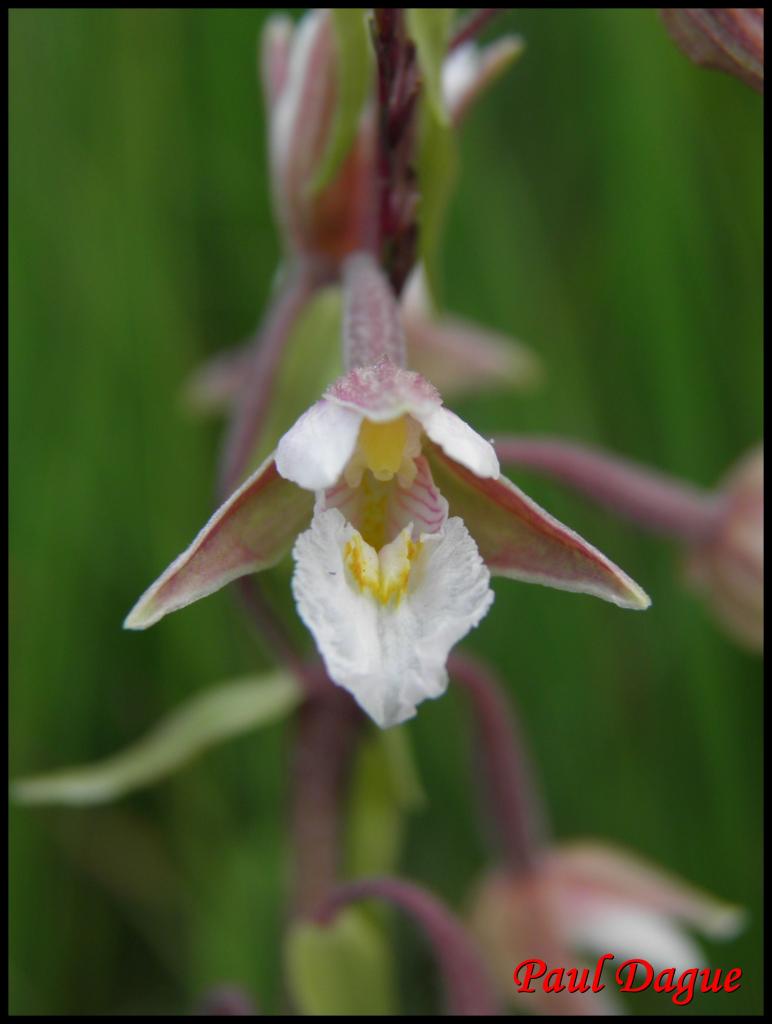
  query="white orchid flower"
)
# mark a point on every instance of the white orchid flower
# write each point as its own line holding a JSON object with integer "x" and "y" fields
{"x": 398, "y": 515}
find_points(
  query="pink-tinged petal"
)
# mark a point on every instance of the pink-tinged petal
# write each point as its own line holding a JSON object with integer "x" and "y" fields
{"x": 300, "y": 125}
{"x": 313, "y": 453}
{"x": 387, "y": 507}
{"x": 275, "y": 46}
{"x": 460, "y": 358}
{"x": 215, "y": 383}
{"x": 602, "y": 873}
{"x": 372, "y": 330}
{"x": 519, "y": 539}
{"x": 516, "y": 919}
{"x": 726, "y": 38}
{"x": 251, "y": 531}
{"x": 470, "y": 69}
{"x": 383, "y": 392}
{"x": 460, "y": 442}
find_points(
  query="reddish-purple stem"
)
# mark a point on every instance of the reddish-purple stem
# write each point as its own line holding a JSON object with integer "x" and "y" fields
{"x": 261, "y": 369}
{"x": 652, "y": 500}
{"x": 398, "y": 87}
{"x": 467, "y": 986}
{"x": 509, "y": 786}
{"x": 327, "y": 726}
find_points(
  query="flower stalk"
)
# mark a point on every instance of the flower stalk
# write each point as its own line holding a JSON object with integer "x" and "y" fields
{"x": 648, "y": 498}
{"x": 327, "y": 727}
{"x": 508, "y": 782}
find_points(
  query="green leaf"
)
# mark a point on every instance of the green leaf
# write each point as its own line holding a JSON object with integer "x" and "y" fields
{"x": 311, "y": 360}
{"x": 385, "y": 787}
{"x": 429, "y": 28}
{"x": 354, "y": 70}
{"x": 207, "y": 719}
{"x": 437, "y": 172}
{"x": 343, "y": 968}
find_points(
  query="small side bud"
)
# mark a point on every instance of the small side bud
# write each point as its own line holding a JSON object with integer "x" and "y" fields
{"x": 727, "y": 38}
{"x": 729, "y": 567}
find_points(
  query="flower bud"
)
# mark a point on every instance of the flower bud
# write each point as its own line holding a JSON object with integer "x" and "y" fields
{"x": 301, "y": 86}
{"x": 729, "y": 566}
{"x": 727, "y": 38}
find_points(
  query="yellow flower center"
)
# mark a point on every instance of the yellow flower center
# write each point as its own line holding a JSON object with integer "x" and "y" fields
{"x": 384, "y": 574}
{"x": 383, "y": 446}
{"x": 386, "y": 450}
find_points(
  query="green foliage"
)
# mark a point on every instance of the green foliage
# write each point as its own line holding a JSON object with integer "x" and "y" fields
{"x": 342, "y": 968}
{"x": 429, "y": 28}
{"x": 209, "y": 718}
{"x": 385, "y": 787}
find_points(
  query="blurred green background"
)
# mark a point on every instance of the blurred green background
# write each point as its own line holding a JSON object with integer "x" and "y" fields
{"x": 609, "y": 213}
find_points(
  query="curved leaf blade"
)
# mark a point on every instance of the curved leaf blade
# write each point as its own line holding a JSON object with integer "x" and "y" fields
{"x": 207, "y": 719}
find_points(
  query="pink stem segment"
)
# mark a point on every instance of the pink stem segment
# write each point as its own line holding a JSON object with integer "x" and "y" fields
{"x": 652, "y": 500}
{"x": 327, "y": 727}
{"x": 468, "y": 988}
{"x": 372, "y": 329}
{"x": 509, "y": 784}
{"x": 260, "y": 371}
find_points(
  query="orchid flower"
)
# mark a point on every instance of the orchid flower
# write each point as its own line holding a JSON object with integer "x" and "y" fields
{"x": 398, "y": 513}
{"x": 590, "y": 898}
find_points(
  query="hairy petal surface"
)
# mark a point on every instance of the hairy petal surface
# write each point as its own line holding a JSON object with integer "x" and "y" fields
{"x": 390, "y": 655}
{"x": 383, "y": 392}
{"x": 519, "y": 539}
{"x": 612, "y": 875}
{"x": 251, "y": 531}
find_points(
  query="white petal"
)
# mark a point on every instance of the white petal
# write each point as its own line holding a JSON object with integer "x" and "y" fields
{"x": 460, "y": 442}
{"x": 629, "y": 932}
{"x": 389, "y": 657}
{"x": 459, "y": 70}
{"x": 314, "y": 452}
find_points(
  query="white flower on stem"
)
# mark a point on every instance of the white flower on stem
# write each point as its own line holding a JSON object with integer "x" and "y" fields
{"x": 399, "y": 514}
{"x": 586, "y": 899}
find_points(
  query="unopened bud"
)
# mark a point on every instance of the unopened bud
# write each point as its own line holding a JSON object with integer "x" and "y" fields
{"x": 728, "y": 38}
{"x": 729, "y": 566}
{"x": 301, "y": 86}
